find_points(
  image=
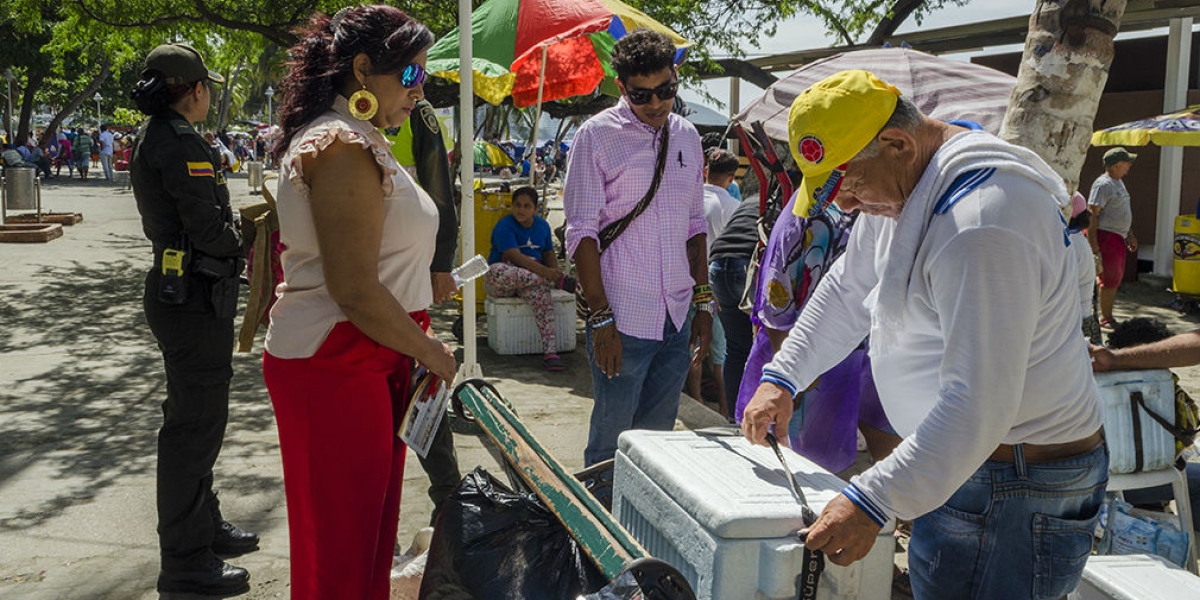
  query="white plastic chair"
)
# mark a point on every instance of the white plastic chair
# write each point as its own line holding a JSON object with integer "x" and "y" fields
{"x": 1119, "y": 482}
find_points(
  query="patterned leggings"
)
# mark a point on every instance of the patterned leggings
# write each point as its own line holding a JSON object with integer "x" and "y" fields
{"x": 505, "y": 281}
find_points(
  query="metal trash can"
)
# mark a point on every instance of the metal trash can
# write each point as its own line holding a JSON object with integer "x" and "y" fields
{"x": 255, "y": 170}
{"x": 20, "y": 188}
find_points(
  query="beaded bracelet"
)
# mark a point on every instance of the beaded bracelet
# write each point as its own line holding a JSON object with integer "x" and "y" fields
{"x": 599, "y": 315}
{"x": 601, "y": 324}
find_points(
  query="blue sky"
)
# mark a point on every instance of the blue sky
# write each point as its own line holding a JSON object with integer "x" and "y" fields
{"x": 805, "y": 32}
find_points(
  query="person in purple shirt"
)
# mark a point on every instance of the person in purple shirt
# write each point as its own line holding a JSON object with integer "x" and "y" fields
{"x": 640, "y": 283}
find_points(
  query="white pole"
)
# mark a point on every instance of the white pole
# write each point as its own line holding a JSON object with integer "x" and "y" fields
{"x": 466, "y": 159}
{"x": 1170, "y": 164}
{"x": 537, "y": 115}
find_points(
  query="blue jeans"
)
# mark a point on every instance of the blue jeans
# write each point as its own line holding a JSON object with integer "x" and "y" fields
{"x": 1165, "y": 493}
{"x": 728, "y": 279}
{"x": 646, "y": 393}
{"x": 1013, "y": 530}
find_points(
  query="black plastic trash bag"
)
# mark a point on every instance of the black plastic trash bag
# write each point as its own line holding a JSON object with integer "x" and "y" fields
{"x": 490, "y": 543}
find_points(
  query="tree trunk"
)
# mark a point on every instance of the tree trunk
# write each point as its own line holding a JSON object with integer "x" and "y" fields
{"x": 33, "y": 82}
{"x": 78, "y": 100}
{"x": 1063, "y": 71}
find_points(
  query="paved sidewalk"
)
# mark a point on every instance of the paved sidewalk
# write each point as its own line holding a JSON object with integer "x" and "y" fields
{"x": 81, "y": 385}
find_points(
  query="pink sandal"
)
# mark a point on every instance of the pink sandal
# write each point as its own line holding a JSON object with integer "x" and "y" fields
{"x": 553, "y": 362}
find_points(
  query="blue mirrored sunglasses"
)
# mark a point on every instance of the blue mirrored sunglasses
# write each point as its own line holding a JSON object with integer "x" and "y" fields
{"x": 412, "y": 76}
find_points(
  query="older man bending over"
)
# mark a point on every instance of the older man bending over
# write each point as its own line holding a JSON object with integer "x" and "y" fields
{"x": 959, "y": 271}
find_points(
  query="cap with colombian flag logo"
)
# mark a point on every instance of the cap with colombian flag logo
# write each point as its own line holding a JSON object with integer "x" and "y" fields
{"x": 828, "y": 124}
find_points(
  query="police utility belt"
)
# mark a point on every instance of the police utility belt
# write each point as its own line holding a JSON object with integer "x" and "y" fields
{"x": 178, "y": 264}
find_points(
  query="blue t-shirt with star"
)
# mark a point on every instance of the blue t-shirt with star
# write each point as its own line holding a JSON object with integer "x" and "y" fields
{"x": 532, "y": 241}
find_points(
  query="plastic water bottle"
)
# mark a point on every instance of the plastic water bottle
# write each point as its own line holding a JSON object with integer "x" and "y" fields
{"x": 470, "y": 270}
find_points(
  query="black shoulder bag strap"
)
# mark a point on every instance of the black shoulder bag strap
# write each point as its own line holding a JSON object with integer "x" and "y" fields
{"x": 612, "y": 231}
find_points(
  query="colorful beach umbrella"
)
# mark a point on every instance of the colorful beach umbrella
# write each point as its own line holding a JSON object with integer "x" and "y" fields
{"x": 942, "y": 88}
{"x": 488, "y": 154}
{"x": 1176, "y": 129}
{"x": 511, "y": 37}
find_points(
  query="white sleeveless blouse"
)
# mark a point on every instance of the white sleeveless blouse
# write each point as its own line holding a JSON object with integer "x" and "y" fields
{"x": 304, "y": 313}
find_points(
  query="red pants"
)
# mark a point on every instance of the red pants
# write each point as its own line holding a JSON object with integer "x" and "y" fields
{"x": 343, "y": 465}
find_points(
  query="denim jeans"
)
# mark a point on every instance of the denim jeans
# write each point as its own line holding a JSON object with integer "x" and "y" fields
{"x": 646, "y": 393}
{"x": 1013, "y": 530}
{"x": 728, "y": 279}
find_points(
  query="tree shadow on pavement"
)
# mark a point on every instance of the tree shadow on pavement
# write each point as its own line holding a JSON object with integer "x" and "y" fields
{"x": 84, "y": 383}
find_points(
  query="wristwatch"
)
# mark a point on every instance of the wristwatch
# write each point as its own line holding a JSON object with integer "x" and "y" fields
{"x": 709, "y": 307}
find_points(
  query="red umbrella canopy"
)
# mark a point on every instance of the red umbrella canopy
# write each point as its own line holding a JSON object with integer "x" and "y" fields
{"x": 509, "y": 36}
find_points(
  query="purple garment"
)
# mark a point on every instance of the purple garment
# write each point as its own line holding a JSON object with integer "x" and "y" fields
{"x": 798, "y": 255}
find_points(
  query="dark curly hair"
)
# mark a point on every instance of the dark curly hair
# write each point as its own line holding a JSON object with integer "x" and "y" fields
{"x": 712, "y": 139}
{"x": 1138, "y": 331}
{"x": 642, "y": 52}
{"x": 324, "y": 57}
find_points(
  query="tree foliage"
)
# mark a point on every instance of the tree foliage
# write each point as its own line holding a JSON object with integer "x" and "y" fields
{"x": 66, "y": 51}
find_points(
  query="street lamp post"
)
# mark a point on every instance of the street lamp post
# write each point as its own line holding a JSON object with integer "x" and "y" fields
{"x": 270, "y": 94}
{"x": 97, "y": 98}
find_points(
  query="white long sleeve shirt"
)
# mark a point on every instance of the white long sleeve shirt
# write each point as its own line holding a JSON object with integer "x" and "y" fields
{"x": 989, "y": 351}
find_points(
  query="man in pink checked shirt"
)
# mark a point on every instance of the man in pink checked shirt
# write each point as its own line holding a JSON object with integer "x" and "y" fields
{"x": 642, "y": 287}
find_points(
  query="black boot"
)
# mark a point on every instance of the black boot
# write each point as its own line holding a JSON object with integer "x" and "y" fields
{"x": 213, "y": 578}
{"x": 228, "y": 539}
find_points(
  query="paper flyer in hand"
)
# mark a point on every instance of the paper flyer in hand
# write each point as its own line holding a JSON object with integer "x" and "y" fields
{"x": 426, "y": 408}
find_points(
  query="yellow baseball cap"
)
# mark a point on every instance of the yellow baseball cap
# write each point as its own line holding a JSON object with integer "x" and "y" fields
{"x": 828, "y": 124}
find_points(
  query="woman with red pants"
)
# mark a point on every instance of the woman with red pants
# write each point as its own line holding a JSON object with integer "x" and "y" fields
{"x": 350, "y": 319}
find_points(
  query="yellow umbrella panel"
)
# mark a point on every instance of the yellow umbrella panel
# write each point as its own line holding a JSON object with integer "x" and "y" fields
{"x": 1177, "y": 129}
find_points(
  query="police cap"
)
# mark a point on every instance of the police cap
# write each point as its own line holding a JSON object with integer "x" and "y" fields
{"x": 181, "y": 64}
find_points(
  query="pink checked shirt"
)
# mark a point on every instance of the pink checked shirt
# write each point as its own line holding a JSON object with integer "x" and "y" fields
{"x": 645, "y": 271}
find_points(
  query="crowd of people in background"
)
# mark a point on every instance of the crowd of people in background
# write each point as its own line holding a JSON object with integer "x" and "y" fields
{"x": 109, "y": 149}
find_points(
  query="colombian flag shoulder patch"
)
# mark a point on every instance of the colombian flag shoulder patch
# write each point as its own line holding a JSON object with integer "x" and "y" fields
{"x": 201, "y": 169}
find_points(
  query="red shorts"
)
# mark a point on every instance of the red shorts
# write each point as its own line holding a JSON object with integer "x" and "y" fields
{"x": 1112, "y": 251}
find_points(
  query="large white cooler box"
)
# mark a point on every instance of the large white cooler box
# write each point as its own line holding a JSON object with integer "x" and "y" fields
{"x": 1135, "y": 577}
{"x": 1121, "y": 414}
{"x": 721, "y": 511}
{"x": 513, "y": 330}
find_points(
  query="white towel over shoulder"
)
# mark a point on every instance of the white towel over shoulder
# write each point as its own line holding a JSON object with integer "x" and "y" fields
{"x": 964, "y": 152}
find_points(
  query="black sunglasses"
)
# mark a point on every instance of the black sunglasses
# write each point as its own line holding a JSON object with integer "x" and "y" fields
{"x": 665, "y": 91}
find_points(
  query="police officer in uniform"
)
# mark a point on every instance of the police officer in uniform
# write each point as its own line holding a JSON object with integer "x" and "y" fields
{"x": 418, "y": 145}
{"x": 190, "y": 301}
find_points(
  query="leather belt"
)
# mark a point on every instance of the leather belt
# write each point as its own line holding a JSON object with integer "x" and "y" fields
{"x": 1044, "y": 453}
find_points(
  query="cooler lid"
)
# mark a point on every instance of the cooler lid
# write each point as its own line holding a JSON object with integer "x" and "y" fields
{"x": 734, "y": 489}
{"x": 1115, "y": 378}
{"x": 1140, "y": 577}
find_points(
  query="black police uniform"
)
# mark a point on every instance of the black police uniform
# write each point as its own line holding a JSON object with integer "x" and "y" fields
{"x": 184, "y": 203}
{"x": 433, "y": 173}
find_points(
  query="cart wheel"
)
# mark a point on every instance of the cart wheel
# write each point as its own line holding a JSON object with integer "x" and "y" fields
{"x": 457, "y": 329}
{"x": 659, "y": 580}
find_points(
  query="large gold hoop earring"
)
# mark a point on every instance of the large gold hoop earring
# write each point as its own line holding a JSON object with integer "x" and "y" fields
{"x": 363, "y": 104}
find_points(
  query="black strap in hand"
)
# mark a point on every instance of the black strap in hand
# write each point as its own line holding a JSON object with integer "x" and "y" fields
{"x": 613, "y": 230}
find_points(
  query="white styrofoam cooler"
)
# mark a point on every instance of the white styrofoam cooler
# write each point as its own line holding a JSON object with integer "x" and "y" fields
{"x": 1158, "y": 392}
{"x": 513, "y": 330}
{"x": 721, "y": 511}
{"x": 1135, "y": 577}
